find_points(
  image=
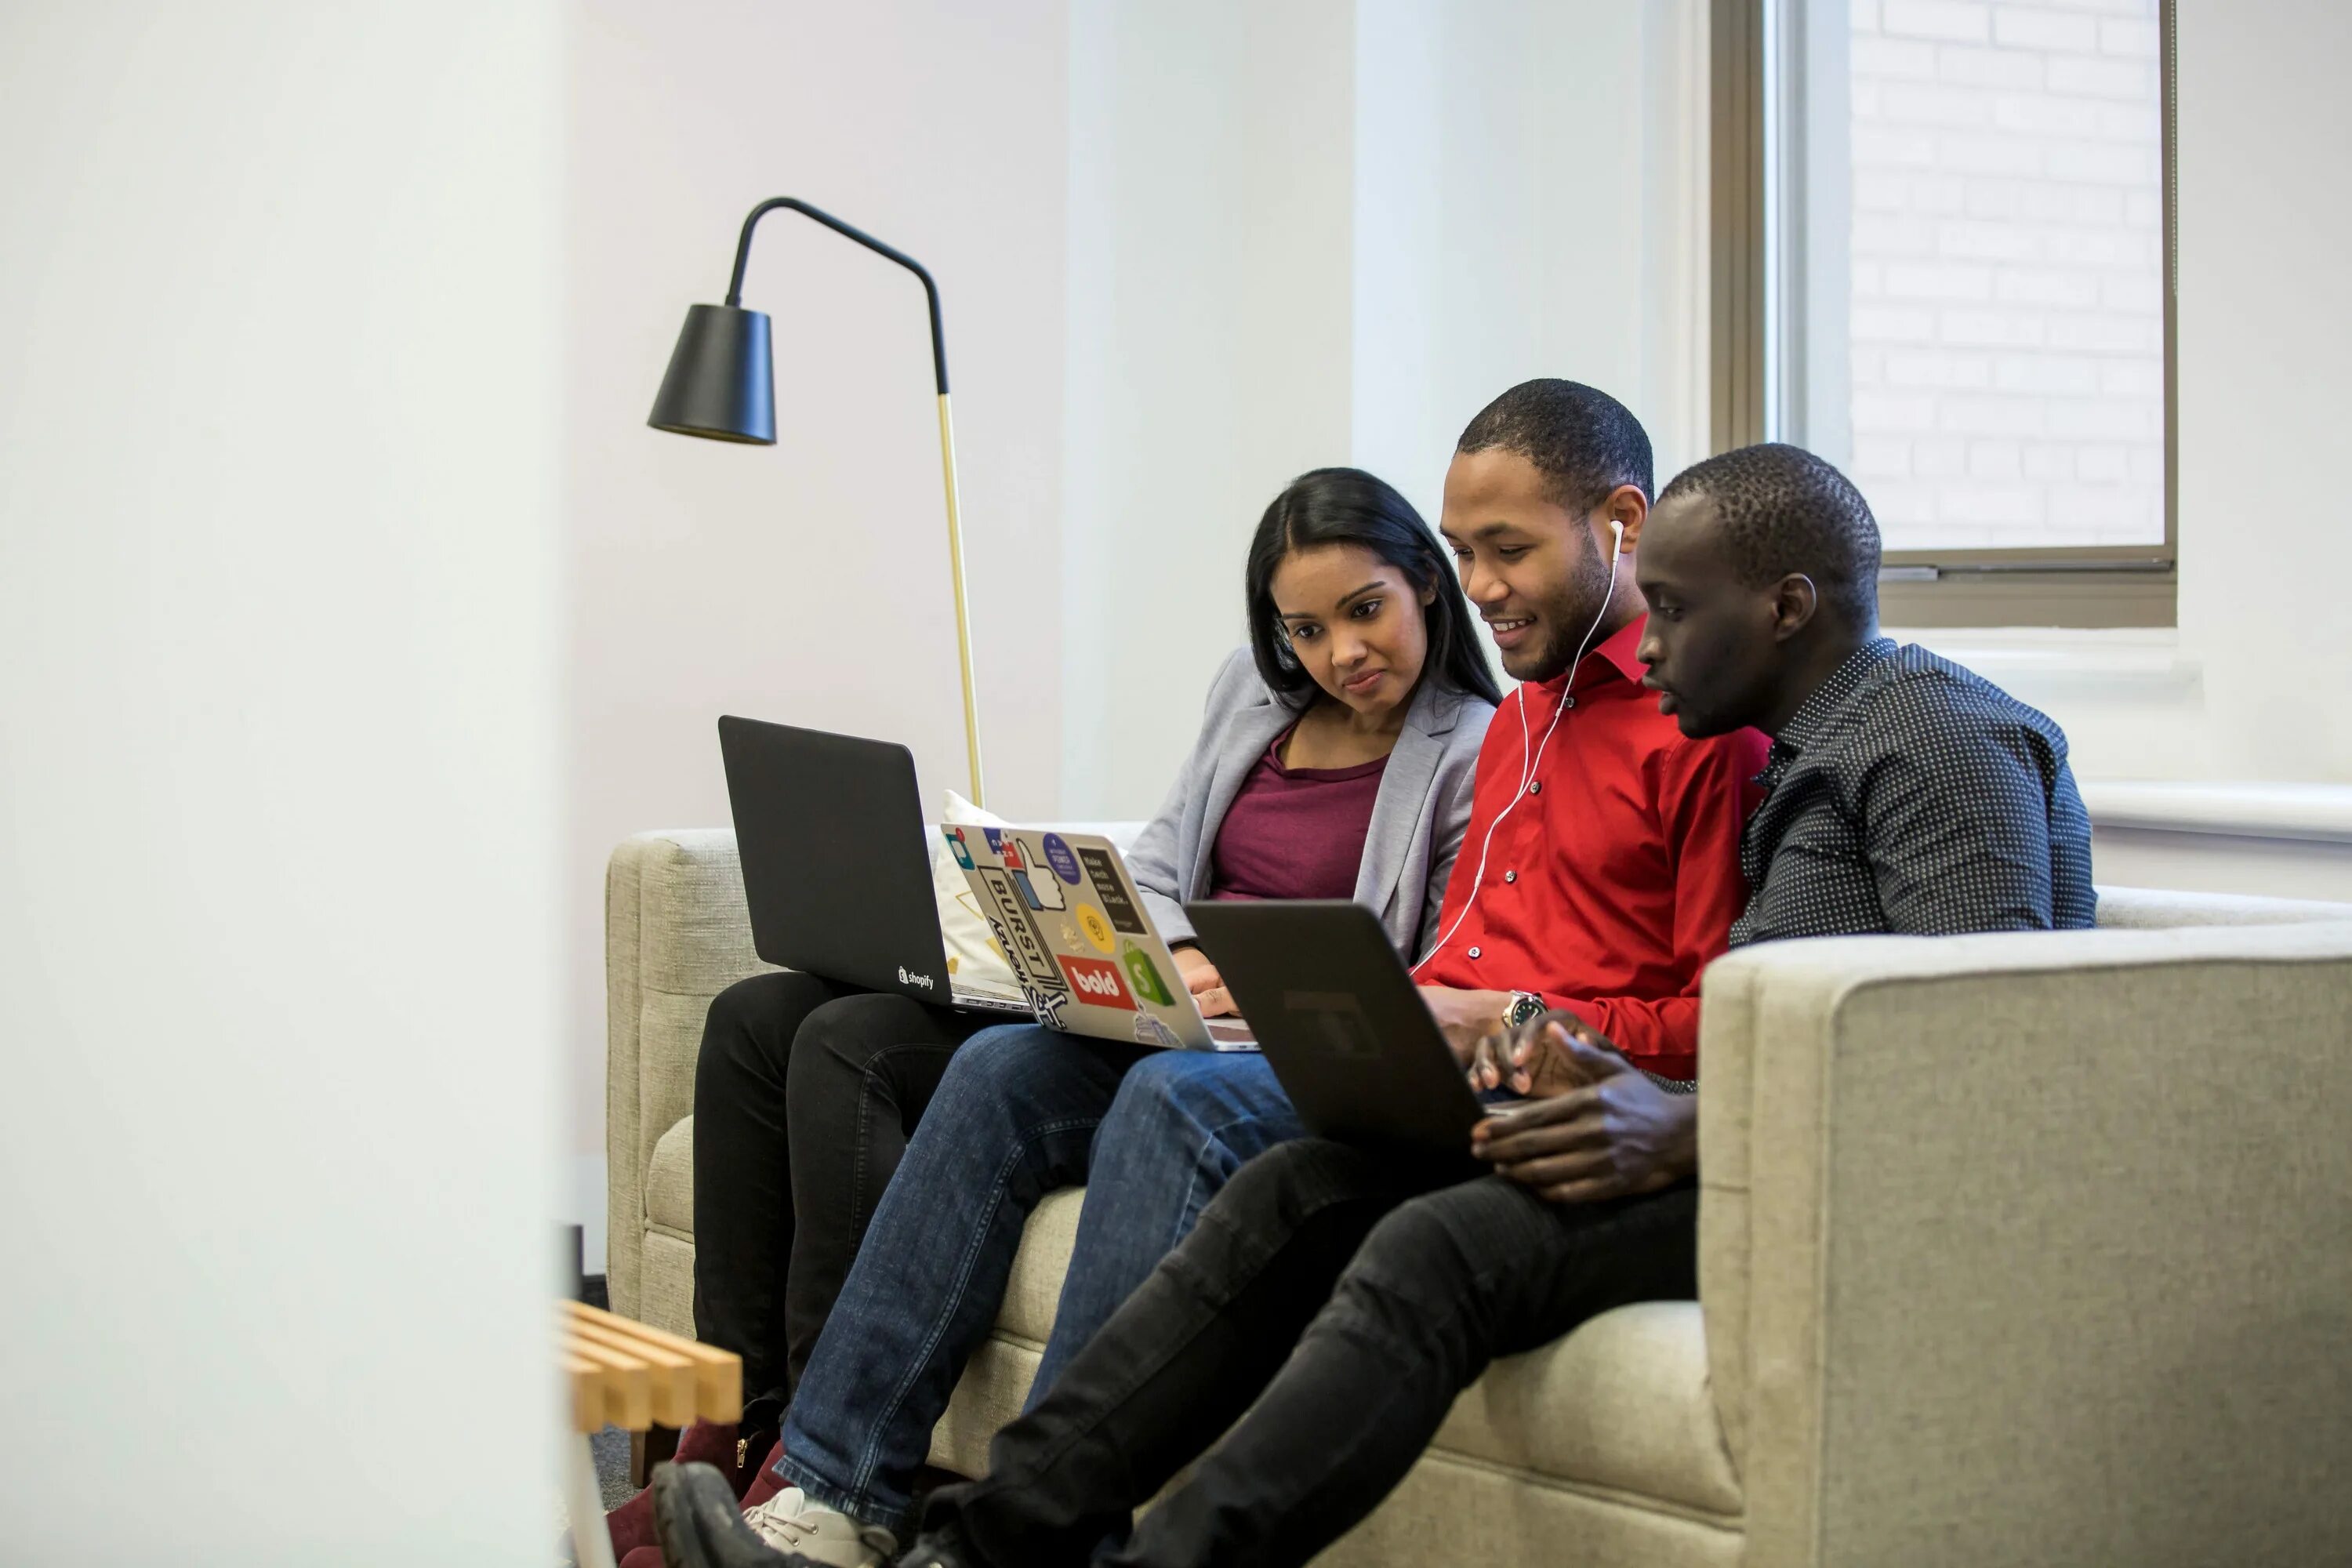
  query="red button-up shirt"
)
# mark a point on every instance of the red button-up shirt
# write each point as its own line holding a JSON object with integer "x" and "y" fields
{"x": 1615, "y": 877}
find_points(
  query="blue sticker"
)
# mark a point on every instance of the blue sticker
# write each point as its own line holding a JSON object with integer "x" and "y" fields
{"x": 995, "y": 840}
{"x": 1059, "y": 855}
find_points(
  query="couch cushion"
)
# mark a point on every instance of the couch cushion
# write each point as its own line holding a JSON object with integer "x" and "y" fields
{"x": 670, "y": 1181}
{"x": 1035, "y": 1287}
{"x": 1621, "y": 1402}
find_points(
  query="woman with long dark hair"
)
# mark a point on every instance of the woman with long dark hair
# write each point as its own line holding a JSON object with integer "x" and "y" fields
{"x": 1334, "y": 761}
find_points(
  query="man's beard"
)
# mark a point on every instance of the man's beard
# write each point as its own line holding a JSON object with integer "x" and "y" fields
{"x": 1568, "y": 616}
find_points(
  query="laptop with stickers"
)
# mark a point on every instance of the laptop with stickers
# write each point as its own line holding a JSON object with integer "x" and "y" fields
{"x": 830, "y": 832}
{"x": 1065, "y": 911}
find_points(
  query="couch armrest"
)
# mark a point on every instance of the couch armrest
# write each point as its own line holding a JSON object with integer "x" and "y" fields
{"x": 676, "y": 935}
{"x": 2033, "y": 1243}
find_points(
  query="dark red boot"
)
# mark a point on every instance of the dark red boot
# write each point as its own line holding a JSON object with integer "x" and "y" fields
{"x": 716, "y": 1444}
{"x": 764, "y": 1482}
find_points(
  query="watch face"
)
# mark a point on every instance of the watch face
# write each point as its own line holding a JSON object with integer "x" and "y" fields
{"x": 1524, "y": 1008}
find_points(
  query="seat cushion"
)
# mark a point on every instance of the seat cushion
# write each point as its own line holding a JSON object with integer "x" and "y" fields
{"x": 669, "y": 1182}
{"x": 1035, "y": 1289}
{"x": 1621, "y": 1402}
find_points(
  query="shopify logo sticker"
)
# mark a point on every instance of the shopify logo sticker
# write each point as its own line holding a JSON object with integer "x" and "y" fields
{"x": 1144, "y": 977}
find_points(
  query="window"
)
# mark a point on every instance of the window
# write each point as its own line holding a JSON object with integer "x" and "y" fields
{"x": 1942, "y": 260}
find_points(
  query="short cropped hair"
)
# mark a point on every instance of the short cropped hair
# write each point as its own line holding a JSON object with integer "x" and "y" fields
{"x": 1783, "y": 510}
{"x": 1583, "y": 441}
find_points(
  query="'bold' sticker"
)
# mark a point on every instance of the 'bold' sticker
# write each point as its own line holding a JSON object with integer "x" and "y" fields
{"x": 1095, "y": 981}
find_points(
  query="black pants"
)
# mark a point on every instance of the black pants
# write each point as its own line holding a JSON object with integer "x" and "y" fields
{"x": 1351, "y": 1304}
{"x": 804, "y": 1095}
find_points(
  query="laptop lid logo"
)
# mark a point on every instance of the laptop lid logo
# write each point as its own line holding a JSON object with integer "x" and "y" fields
{"x": 1336, "y": 1019}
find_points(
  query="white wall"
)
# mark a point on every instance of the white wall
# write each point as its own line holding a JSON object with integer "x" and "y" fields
{"x": 1208, "y": 350}
{"x": 2265, "y": 554}
{"x": 278, "y": 956}
{"x": 804, "y": 583}
{"x": 1330, "y": 233}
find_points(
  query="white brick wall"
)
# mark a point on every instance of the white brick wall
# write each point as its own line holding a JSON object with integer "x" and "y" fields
{"x": 2007, "y": 330}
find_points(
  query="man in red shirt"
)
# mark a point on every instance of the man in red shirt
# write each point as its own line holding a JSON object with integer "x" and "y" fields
{"x": 1599, "y": 873}
{"x": 1601, "y": 870}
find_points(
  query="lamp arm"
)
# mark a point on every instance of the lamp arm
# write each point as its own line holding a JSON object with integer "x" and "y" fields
{"x": 947, "y": 440}
{"x": 931, "y": 290}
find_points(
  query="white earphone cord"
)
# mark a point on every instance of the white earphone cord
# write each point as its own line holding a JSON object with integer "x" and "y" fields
{"x": 1527, "y": 765}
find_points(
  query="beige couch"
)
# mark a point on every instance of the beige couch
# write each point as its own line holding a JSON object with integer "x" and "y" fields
{"x": 2015, "y": 1250}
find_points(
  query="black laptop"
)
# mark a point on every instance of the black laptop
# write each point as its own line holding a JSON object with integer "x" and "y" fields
{"x": 1341, "y": 1024}
{"x": 835, "y": 870}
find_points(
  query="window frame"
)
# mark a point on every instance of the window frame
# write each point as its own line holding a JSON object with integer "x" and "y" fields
{"x": 1761, "y": 54}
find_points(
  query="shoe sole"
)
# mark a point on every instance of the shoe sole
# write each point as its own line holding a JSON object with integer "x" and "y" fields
{"x": 674, "y": 1490}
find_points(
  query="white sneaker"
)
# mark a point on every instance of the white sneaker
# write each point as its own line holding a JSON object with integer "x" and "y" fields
{"x": 788, "y": 1522}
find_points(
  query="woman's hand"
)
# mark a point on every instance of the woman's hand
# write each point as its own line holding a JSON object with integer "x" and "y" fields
{"x": 1207, "y": 986}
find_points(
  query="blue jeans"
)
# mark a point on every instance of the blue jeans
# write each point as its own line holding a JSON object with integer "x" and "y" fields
{"x": 1021, "y": 1110}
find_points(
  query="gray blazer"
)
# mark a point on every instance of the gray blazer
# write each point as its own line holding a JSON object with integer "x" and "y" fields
{"x": 1417, "y": 817}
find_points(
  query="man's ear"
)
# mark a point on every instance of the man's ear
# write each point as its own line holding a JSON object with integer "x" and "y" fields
{"x": 1794, "y": 601}
{"x": 1626, "y": 505}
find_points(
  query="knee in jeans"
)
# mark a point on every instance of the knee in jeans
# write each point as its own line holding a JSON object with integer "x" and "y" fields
{"x": 1290, "y": 1181}
{"x": 747, "y": 1017}
{"x": 988, "y": 1068}
{"x": 1412, "y": 1260}
{"x": 1156, "y": 1092}
{"x": 839, "y": 1042}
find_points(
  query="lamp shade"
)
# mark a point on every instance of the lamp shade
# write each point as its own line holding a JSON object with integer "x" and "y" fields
{"x": 722, "y": 378}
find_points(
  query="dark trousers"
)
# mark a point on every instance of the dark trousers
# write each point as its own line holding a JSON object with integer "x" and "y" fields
{"x": 1351, "y": 1304}
{"x": 804, "y": 1095}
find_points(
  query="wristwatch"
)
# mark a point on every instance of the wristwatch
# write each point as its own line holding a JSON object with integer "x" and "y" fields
{"x": 1522, "y": 1007}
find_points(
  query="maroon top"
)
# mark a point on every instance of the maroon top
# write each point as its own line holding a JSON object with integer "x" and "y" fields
{"x": 1294, "y": 833}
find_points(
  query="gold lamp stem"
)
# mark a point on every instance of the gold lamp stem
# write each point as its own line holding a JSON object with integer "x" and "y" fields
{"x": 962, "y": 612}
{"x": 740, "y": 385}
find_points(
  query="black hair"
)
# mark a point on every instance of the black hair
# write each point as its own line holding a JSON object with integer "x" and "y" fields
{"x": 1783, "y": 510}
{"x": 1349, "y": 506}
{"x": 1582, "y": 441}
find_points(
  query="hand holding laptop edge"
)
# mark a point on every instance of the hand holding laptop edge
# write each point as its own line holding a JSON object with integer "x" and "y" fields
{"x": 1596, "y": 1129}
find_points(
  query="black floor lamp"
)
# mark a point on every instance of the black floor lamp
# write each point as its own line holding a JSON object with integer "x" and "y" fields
{"x": 721, "y": 384}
